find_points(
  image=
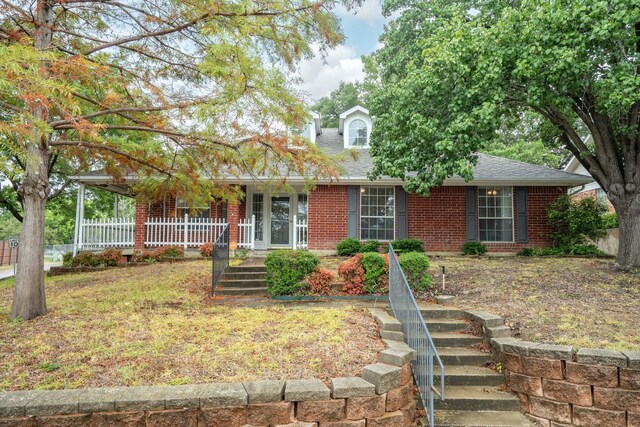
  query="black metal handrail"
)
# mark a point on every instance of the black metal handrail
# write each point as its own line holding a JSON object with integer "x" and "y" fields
{"x": 220, "y": 258}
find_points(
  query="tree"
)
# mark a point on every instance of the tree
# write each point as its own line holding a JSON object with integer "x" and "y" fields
{"x": 346, "y": 96}
{"x": 450, "y": 72}
{"x": 183, "y": 93}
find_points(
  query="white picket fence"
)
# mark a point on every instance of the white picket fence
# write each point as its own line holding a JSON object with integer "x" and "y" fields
{"x": 186, "y": 232}
{"x": 105, "y": 233}
{"x": 300, "y": 233}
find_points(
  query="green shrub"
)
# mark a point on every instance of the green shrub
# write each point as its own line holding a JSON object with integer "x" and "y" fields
{"x": 416, "y": 269}
{"x": 352, "y": 272}
{"x": 85, "y": 259}
{"x": 576, "y": 223}
{"x": 67, "y": 259}
{"x": 109, "y": 257}
{"x": 168, "y": 252}
{"x": 528, "y": 252}
{"x": 349, "y": 247}
{"x": 375, "y": 267}
{"x": 584, "y": 250}
{"x": 474, "y": 248}
{"x": 610, "y": 220}
{"x": 143, "y": 256}
{"x": 370, "y": 246}
{"x": 407, "y": 245}
{"x": 286, "y": 269}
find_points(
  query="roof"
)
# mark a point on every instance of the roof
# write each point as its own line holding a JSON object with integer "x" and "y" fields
{"x": 489, "y": 170}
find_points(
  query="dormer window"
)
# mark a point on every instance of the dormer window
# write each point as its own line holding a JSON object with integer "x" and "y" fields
{"x": 358, "y": 134}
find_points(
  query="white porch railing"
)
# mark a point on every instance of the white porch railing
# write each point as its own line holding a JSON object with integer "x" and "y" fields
{"x": 105, "y": 233}
{"x": 185, "y": 232}
{"x": 300, "y": 233}
{"x": 246, "y": 234}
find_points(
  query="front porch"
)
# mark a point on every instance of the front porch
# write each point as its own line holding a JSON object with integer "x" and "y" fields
{"x": 262, "y": 221}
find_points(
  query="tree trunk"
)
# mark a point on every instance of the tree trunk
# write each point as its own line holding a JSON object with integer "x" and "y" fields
{"x": 629, "y": 246}
{"x": 29, "y": 297}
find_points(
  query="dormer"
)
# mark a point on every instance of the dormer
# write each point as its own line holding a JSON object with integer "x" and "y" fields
{"x": 312, "y": 128}
{"x": 355, "y": 126}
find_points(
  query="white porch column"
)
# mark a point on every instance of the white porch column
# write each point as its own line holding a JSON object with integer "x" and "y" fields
{"x": 77, "y": 232}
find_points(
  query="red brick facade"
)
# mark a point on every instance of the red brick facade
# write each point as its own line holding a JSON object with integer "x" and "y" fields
{"x": 327, "y": 214}
{"x": 593, "y": 194}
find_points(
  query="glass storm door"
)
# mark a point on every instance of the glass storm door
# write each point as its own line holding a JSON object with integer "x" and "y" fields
{"x": 280, "y": 212}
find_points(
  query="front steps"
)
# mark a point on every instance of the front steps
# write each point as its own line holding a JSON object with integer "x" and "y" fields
{"x": 243, "y": 281}
{"x": 474, "y": 395}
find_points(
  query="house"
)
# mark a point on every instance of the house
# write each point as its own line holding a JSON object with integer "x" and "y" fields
{"x": 505, "y": 206}
{"x": 591, "y": 189}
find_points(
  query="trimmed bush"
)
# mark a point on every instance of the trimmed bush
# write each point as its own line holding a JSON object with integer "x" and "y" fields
{"x": 416, "y": 269}
{"x": 168, "y": 252}
{"x": 374, "y": 266}
{"x": 370, "y": 246}
{"x": 320, "y": 281}
{"x": 286, "y": 269}
{"x": 407, "y": 245}
{"x": 474, "y": 248}
{"x": 349, "y": 247}
{"x": 352, "y": 272}
{"x": 67, "y": 259}
{"x": 206, "y": 250}
{"x": 109, "y": 257}
{"x": 85, "y": 259}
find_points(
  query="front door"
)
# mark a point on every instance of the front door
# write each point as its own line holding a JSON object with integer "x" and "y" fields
{"x": 280, "y": 225}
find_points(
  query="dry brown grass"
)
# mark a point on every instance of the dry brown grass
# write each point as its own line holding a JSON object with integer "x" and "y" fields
{"x": 153, "y": 326}
{"x": 575, "y": 301}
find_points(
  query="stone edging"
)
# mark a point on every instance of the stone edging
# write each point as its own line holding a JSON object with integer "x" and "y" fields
{"x": 60, "y": 270}
{"x": 557, "y": 386}
{"x": 381, "y": 396}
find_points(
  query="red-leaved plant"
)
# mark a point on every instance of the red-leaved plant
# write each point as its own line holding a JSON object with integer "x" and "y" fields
{"x": 320, "y": 281}
{"x": 352, "y": 272}
{"x": 206, "y": 249}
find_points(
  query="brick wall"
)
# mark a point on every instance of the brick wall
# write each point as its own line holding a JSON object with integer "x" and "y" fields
{"x": 327, "y": 213}
{"x": 559, "y": 387}
{"x": 439, "y": 220}
{"x": 592, "y": 193}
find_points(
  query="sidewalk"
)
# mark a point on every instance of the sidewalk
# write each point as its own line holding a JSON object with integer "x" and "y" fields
{"x": 7, "y": 270}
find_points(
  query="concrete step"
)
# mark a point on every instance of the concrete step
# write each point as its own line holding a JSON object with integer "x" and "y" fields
{"x": 477, "y": 398}
{"x": 446, "y": 325}
{"x": 478, "y": 419}
{"x": 452, "y": 339}
{"x": 232, "y": 283}
{"x": 244, "y": 275}
{"x": 246, "y": 269}
{"x": 468, "y": 375}
{"x": 433, "y": 311}
{"x": 242, "y": 291}
{"x": 463, "y": 356}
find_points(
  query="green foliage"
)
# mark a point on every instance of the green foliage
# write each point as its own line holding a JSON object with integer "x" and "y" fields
{"x": 375, "y": 266}
{"x": 85, "y": 259}
{"x": 416, "y": 268}
{"x": 370, "y": 246}
{"x": 575, "y": 223}
{"x": 579, "y": 250}
{"x": 349, "y": 247}
{"x": 407, "y": 245}
{"x": 168, "y": 252}
{"x": 346, "y": 96}
{"x": 320, "y": 281}
{"x": 474, "y": 248}
{"x": 286, "y": 269}
{"x": 110, "y": 257}
{"x": 143, "y": 256}
{"x": 610, "y": 220}
{"x": 67, "y": 259}
{"x": 352, "y": 272}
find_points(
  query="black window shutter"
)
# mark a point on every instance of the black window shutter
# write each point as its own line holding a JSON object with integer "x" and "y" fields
{"x": 522, "y": 214}
{"x": 402, "y": 213}
{"x": 353, "y": 193}
{"x": 471, "y": 210}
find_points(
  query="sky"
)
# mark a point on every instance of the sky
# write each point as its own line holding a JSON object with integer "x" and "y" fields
{"x": 361, "y": 28}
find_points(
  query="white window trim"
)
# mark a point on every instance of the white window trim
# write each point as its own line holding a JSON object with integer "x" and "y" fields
{"x": 189, "y": 208}
{"x": 513, "y": 221}
{"x": 360, "y": 216}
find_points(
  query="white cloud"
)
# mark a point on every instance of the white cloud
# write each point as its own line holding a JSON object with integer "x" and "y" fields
{"x": 320, "y": 78}
{"x": 370, "y": 11}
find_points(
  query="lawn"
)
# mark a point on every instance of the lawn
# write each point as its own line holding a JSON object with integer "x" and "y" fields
{"x": 155, "y": 325}
{"x": 583, "y": 302}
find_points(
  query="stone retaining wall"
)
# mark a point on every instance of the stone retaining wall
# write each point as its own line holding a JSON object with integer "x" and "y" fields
{"x": 560, "y": 387}
{"x": 381, "y": 397}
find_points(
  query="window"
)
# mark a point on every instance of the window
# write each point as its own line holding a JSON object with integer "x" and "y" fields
{"x": 183, "y": 208}
{"x": 495, "y": 214}
{"x": 358, "y": 134}
{"x": 302, "y": 206}
{"x": 377, "y": 213}
{"x": 257, "y": 205}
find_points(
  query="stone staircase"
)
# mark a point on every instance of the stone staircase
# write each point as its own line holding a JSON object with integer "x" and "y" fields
{"x": 474, "y": 395}
{"x": 243, "y": 281}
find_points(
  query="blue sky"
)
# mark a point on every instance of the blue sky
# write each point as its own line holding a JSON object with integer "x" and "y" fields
{"x": 344, "y": 63}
